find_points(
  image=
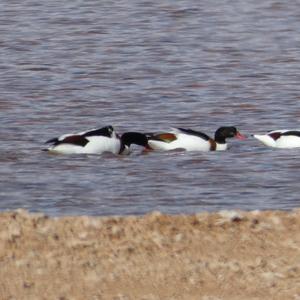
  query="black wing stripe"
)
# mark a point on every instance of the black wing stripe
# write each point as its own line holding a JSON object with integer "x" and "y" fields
{"x": 292, "y": 132}
{"x": 105, "y": 131}
{"x": 196, "y": 133}
{"x": 52, "y": 141}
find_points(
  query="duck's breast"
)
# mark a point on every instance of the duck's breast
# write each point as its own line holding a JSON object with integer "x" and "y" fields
{"x": 221, "y": 147}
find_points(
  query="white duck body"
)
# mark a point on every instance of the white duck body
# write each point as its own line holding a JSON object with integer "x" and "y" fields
{"x": 96, "y": 145}
{"x": 181, "y": 140}
{"x": 284, "y": 139}
{"x": 95, "y": 141}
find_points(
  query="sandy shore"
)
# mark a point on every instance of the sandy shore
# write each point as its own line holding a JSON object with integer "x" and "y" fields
{"x": 226, "y": 255}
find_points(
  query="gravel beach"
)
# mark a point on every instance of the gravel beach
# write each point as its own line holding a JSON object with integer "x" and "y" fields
{"x": 209, "y": 256}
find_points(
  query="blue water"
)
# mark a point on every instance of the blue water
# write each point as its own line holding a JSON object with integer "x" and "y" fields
{"x": 140, "y": 65}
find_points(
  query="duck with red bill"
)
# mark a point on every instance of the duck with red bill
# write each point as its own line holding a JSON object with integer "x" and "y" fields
{"x": 191, "y": 140}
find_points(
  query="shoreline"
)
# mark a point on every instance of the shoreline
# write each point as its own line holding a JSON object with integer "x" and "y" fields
{"x": 209, "y": 256}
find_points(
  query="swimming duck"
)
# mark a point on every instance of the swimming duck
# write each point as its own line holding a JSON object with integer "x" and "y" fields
{"x": 96, "y": 141}
{"x": 191, "y": 140}
{"x": 280, "y": 138}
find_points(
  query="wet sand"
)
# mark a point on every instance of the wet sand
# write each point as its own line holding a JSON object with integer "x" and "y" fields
{"x": 225, "y": 255}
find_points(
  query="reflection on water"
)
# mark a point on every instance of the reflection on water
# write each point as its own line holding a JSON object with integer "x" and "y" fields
{"x": 139, "y": 65}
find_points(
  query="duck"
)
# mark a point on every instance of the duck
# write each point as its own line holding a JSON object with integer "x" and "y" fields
{"x": 191, "y": 140}
{"x": 284, "y": 139}
{"x": 96, "y": 141}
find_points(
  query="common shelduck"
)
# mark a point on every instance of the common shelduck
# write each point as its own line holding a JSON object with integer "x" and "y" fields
{"x": 190, "y": 140}
{"x": 96, "y": 141}
{"x": 280, "y": 138}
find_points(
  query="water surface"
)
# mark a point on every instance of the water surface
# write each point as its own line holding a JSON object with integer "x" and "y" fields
{"x": 140, "y": 65}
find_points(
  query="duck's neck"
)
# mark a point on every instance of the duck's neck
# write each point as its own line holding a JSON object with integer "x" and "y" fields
{"x": 220, "y": 141}
{"x": 129, "y": 138}
{"x": 219, "y": 138}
